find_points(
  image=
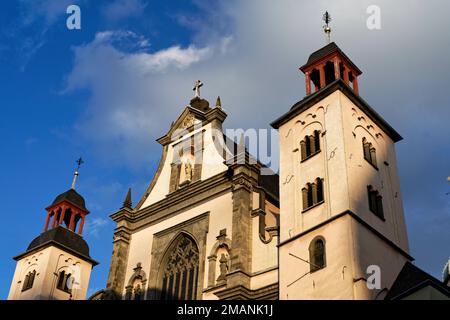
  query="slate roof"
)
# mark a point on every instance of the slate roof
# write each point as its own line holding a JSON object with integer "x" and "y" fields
{"x": 63, "y": 238}
{"x": 269, "y": 182}
{"x": 410, "y": 279}
{"x": 71, "y": 196}
{"x": 322, "y": 52}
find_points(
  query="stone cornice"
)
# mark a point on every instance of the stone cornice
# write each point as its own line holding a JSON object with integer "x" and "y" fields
{"x": 269, "y": 292}
{"x": 177, "y": 201}
{"x": 340, "y": 85}
{"x": 181, "y": 225}
{"x": 360, "y": 221}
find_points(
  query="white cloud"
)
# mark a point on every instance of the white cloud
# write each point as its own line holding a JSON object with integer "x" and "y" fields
{"x": 253, "y": 67}
{"x": 129, "y": 91}
{"x": 93, "y": 226}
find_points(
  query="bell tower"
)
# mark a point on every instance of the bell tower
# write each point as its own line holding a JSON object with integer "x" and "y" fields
{"x": 342, "y": 228}
{"x": 56, "y": 264}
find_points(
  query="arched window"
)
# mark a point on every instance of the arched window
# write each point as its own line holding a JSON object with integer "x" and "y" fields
{"x": 180, "y": 271}
{"x": 313, "y": 194}
{"x": 317, "y": 259}
{"x": 29, "y": 280}
{"x": 369, "y": 152}
{"x": 310, "y": 145}
{"x": 65, "y": 282}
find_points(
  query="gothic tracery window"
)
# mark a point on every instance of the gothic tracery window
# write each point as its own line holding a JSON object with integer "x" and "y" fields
{"x": 181, "y": 271}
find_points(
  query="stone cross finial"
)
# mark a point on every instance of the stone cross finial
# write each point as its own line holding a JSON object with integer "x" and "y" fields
{"x": 196, "y": 88}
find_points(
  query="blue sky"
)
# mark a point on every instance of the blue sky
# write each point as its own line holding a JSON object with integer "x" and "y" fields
{"x": 107, "y": 91}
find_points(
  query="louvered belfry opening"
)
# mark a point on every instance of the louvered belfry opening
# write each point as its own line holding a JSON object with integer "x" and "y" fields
{"x": 180, "y": 273}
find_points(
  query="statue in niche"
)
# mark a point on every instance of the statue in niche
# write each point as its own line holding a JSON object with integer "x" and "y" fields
{"x": 188, "y": 170}
{"x": 223, "y": 268}
{"x": 137, "y": 292}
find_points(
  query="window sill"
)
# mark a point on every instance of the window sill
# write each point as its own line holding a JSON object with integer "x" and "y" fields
{"x": 317, "y": 270}
{"x": 374, "y": 166}
{"x": 310, "y": 156}
{"x": 313, "y": 206}
{"x": 378, "y": 216}
{"x": 66, "y": 291}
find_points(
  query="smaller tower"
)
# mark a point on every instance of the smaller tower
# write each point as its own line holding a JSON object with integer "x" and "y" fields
{"x": 56, "y": 264}
{"x": 328, "y": 64}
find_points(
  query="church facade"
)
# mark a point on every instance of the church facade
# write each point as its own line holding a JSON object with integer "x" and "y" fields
{"x": 338, "y": 193}
{"x": 207, "y": 226}
{"x": 215, "y": 223}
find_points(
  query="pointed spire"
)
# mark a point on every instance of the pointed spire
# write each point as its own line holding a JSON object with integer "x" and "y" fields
{"x": 218, "y": 103}
{"x": 76, "y": 174}
{"x": 74, "y": 181}
{"x": 127, "y": 203}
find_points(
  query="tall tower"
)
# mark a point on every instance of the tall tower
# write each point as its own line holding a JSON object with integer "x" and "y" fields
{"x": 342, "y": 229}
{"x": 56, "y": 264}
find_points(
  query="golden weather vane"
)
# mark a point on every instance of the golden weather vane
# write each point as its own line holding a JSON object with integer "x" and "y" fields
{"x": 327, "y": 19}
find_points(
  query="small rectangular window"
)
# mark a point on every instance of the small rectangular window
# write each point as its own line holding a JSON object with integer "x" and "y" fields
{"x": 375, "y": 202}
{"x": 369, "y": 153}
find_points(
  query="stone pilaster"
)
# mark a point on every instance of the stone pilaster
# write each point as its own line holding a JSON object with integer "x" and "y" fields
{"x": 119, "y": 260}
{"x": 244, "y": 180}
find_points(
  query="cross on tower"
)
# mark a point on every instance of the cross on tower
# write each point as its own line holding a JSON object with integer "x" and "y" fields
{"x": 75, "y": 175}
{"x": 196, "y": 88}
{"x": 79, "y": 162}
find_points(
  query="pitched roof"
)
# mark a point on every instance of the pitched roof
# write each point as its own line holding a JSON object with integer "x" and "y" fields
{"x": 269, "y": 181}
{"x": 410, "y": 279}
